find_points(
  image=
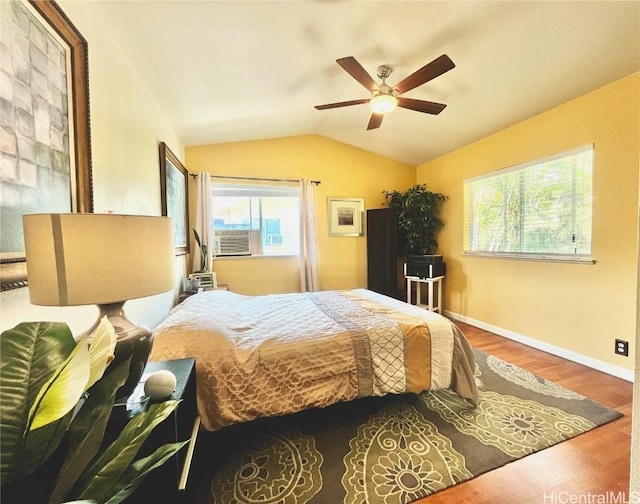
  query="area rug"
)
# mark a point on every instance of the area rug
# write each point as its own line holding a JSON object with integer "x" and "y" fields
{"x": 399, "y": 448}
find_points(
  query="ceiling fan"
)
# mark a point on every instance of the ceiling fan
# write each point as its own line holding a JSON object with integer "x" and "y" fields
{"x": 385, "y": 98}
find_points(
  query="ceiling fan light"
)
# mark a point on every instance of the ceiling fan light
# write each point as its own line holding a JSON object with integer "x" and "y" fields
{"x": 383, "y": 103}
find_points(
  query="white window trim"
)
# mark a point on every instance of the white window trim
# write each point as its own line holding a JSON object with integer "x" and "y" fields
{"x": 521, "y": 256}
{"x": 258, "y": 188}
{"x": 522, "y": 166}
{"x": 569, "y": 258}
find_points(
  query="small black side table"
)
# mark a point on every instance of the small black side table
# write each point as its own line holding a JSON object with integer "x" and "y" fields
{"x": 167, "y": 482}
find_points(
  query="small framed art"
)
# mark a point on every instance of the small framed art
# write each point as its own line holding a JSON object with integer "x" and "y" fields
{"x": 346, "y": 216}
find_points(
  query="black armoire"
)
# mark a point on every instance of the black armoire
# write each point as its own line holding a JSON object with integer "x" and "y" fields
{"x": 382, "y": 261}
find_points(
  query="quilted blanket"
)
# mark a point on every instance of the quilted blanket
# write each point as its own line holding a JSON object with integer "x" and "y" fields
{"x": 272, "y": 355}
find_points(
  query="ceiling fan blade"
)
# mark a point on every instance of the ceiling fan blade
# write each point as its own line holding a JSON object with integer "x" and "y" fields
{"x": 430, "y": 71}
{"x": 355, "y": 69}
{"x": 421, "y": 105}
{"x": 375, "y": 121}
{"x": 342, "y": 104}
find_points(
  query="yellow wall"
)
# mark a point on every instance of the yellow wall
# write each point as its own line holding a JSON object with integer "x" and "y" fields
{"x": 344, "y": 171}
{"x": 581, "y": 308}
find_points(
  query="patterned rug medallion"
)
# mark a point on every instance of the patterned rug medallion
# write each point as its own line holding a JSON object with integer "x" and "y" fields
{"x": 395, "y": 449}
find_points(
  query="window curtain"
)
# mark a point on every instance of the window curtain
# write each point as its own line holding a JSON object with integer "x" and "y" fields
{"x": 203, "y": 222}
{"x": 308, "y": 247}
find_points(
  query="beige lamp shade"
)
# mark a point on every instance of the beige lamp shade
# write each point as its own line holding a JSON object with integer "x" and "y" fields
{"x": 83, "y": 258}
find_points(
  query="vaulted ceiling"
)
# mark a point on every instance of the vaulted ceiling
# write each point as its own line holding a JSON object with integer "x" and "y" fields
{"x": 242, "y": 70}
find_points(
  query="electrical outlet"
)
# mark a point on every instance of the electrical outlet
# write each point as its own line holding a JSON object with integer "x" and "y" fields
{"x": 622, "y": 347}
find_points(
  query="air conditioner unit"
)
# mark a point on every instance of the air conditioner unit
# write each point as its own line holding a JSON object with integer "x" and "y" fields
{"x": 232, "y": 242}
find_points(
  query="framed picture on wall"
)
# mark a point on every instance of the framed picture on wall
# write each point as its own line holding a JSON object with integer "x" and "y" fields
{"x": 46, "y": 149}
{"x": 346, "y": 216}
{"x": 174, "y": 189}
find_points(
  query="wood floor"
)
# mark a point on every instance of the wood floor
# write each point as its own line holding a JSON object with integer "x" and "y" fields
{"x": 589, "y": 468}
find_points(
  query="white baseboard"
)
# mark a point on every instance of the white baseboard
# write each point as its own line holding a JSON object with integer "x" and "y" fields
{"x": 596, "y": 364}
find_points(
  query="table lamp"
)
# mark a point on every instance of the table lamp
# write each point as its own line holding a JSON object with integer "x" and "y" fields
{"x": 103, "y": 259}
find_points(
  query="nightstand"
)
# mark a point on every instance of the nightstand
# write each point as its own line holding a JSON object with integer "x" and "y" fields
{"x": 168, "y": 482}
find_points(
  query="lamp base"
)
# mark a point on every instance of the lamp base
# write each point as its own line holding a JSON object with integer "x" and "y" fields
{"x": 132, "y": 340}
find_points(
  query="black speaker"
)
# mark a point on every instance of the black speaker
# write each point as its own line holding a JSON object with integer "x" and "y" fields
{"x": 425, "y": 266}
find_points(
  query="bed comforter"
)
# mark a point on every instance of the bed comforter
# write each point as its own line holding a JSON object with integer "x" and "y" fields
{"x": 271, "y": 355}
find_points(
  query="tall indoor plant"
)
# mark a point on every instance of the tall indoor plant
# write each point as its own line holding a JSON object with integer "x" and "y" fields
{"x": 418, "y": 212}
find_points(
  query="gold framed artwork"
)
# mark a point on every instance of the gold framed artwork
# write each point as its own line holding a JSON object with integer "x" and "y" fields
{"x": 47, "y": 155}
{"x": 174, "y": 186}
{"x": 346, "y": 216}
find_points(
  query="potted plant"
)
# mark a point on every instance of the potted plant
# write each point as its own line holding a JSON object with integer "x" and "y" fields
{"x": 203, "y": 252}
{"x": 204, "y": 276}
{"x": 418, "y": 211}
{"x": 55, "y": 402}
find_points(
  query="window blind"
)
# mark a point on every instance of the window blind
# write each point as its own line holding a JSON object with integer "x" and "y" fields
{"x": 541, "y": 209}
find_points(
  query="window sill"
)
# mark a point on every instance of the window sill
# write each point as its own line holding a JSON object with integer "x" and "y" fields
{"x": 245, "y": 257}
{"x": 533, "y": 257}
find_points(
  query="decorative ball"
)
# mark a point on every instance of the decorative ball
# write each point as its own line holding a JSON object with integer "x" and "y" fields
{"x": 160, "y": 385}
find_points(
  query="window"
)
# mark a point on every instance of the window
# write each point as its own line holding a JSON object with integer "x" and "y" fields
{"x": 256, "y": 220}
{"x": 538, "y": 210}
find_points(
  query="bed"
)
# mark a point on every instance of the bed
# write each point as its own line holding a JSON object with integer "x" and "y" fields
{"x": 261, "y": 356}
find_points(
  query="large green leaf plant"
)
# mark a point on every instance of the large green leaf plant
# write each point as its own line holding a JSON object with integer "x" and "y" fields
{"x": 419, "y": 220}
{"x": 55, "y": 402}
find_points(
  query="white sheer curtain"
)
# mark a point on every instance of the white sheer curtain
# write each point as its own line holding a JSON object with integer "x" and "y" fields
{"x": 203, "y": 221}
{"x": 308, "y": 248}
